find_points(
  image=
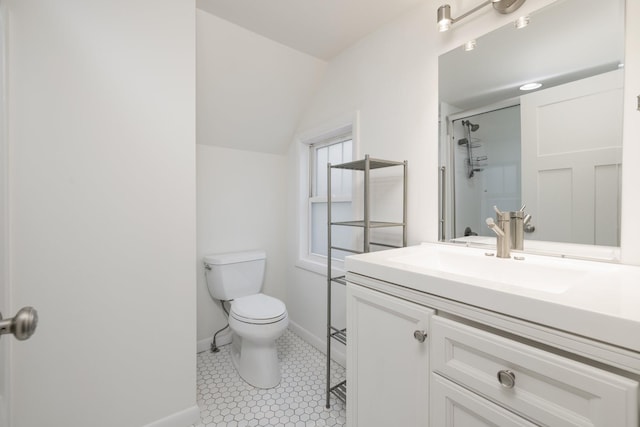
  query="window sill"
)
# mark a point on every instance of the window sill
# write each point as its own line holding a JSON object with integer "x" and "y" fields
{"x": 319, "y": 267}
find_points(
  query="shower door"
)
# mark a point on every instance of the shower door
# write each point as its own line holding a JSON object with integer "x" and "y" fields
{"x": 572, "y": 159}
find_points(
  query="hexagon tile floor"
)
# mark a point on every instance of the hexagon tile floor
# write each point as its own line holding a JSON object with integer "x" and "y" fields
{"x": 225, "y": 400}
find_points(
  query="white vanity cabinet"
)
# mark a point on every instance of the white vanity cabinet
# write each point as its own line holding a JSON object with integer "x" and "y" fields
{"x": 465, "y": 373}
{"x": 387, "y": 360}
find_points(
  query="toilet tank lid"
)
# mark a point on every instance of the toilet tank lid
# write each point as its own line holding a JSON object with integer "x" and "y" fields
{"x": 234, "y": 257}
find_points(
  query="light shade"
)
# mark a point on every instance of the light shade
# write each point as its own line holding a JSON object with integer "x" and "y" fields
{"x": 501, "y": 6}
{"x": 444, "y": 17}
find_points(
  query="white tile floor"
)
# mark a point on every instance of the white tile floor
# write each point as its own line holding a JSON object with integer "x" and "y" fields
{"x": 225, "y": 400}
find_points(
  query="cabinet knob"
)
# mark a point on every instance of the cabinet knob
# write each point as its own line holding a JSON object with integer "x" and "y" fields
{"x": 420, "y": 335}
{"x": 506, "y": 378}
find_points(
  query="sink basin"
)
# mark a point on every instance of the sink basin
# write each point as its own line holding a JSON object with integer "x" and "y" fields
{"x": 544, "y": 274}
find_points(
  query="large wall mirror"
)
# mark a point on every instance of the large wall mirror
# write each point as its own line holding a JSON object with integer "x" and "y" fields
{"x": 556, "y": 148}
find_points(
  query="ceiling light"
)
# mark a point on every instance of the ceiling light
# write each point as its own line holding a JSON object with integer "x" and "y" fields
{"x": 530, "y": 86}
{"x": 522, "y": 22}
{"x": 445, "y": 20}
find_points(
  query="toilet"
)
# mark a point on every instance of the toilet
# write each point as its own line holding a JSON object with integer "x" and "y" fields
{"x": 255, "y": 319}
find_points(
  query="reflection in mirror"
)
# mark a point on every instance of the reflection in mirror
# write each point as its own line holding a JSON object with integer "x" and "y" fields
{"x": 556, "y": 148}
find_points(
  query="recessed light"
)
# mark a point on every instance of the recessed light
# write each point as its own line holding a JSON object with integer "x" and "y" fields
{"x": 530, "y": 86}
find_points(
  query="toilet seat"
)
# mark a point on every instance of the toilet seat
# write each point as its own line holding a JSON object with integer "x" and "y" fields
{"x": 258, "y": 309}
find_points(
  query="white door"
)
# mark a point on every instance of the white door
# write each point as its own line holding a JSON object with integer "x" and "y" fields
{"x": 571, "y": 160}
{"x": 387, "y": 360}
{"x": 4, "y": 300}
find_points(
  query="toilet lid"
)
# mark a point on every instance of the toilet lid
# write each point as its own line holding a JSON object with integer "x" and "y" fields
{"x": 258, "y": 308}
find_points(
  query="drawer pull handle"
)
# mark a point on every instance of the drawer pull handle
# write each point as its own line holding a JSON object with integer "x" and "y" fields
{"x": 420, "y": 335}
{"x": 506, "y": 378}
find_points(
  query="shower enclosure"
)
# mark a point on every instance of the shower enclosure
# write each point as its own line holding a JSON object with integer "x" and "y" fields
{"x": 486, "y": 161}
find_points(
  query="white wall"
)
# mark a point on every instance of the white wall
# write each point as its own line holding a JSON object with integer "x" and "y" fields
{"x": 384, "y": 77}
{"x": 251, "y": 90}
{"x": 240, "y": 206}
{"x": 251, "y": 93}
{"x": 390, "y": 77}
{"x": 102, "y": 199}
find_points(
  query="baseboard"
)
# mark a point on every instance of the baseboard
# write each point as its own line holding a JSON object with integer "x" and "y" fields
{"x": 182, "y": 418}
{"x": 223, "y": 338}
{"x": 338, "y": 351}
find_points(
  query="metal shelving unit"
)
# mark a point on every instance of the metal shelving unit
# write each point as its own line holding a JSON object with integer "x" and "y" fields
{"x": 365, "y": 165}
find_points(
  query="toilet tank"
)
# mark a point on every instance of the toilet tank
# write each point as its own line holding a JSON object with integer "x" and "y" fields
{"x": 234, "y": 275}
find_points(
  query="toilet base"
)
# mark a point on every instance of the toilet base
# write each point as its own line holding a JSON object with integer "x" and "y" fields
{"x": 257, "y": 363}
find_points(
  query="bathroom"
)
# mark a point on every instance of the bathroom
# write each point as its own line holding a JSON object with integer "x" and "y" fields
{"x": 112, "y": 234}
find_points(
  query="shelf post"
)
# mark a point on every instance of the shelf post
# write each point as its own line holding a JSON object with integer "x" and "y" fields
{"x": 367, "y": 164}
{"x": 404, "y": 206}
{"x": 328, "y": 405}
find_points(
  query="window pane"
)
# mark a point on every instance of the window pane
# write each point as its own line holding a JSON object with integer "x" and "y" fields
{"x": 320, "y": 174}
{"x": 347, "y": 150}
{"x": 335, "y": 157}
{"x": 345, "y": 181}
{"x": 336, "y": 153}
{"x": 341, "y": 236}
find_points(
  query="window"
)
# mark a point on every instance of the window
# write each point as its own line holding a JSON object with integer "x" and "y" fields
{"x": 335, "y": 143}
{"x": 339, "y": 150}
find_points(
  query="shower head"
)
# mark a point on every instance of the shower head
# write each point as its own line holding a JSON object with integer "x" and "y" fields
{"x": 470, "y": 125}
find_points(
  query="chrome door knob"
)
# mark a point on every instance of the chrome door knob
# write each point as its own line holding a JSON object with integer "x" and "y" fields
{"x": 420, "y": 335}
{"x": 22, "y": 325}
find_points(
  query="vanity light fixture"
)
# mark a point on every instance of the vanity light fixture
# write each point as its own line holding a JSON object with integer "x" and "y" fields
{"x": 531, "y": 86}
{"x": 502, "y": 6}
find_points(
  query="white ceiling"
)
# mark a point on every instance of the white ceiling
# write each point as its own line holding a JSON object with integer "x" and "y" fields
{"x": 321, "y": 28}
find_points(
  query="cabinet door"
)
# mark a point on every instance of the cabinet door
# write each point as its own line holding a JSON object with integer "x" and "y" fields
{"x": 454, "y": 406}
{"x": 387, "y": 366}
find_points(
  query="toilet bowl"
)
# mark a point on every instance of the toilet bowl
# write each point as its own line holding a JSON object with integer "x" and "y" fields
{"x": 255, "y": 319}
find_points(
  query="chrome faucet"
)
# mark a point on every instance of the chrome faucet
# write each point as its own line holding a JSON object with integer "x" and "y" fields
{"x": 518, "y": 222}
{"x": 503, "y": 232}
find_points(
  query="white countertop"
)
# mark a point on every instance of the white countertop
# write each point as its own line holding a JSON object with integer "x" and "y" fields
{"x": 592, "y": 299}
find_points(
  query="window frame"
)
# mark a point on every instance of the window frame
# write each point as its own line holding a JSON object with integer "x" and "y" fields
{"x": 327, "y": 134}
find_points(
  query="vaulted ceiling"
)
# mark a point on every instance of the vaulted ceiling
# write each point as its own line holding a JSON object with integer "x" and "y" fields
{"x": 321, "y": 28}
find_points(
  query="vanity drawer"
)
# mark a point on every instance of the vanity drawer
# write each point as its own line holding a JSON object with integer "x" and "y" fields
{"x": 455, "y": 406}
{"x": 547, "y": 389}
